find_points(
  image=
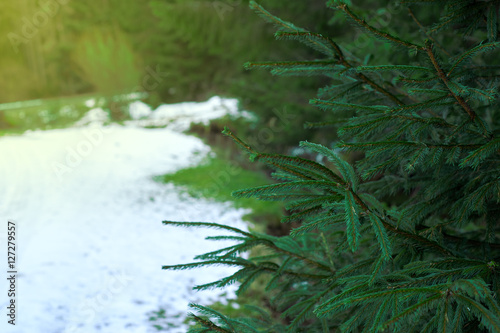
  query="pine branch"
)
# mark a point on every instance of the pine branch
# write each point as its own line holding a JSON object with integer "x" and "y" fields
{"x": 208, "y": 225}
{"x": 273, "y": 19}
{"x": 382, "y": 237}
{"x": 211, "y": 312}
{"x": 444, "y": 77}
{"x": 377, "y": 32}
{"x": 317, "y": 41}
{"x": 240, "y": 143}
{"x": 477, "y": 156}
{"x": 471, "y": 242}
{"x": 463, "y": 59}
{"x": 425, "y": 31}
{"x": 389, "y": 144}
{"x": 352, "y": 221}
{"x": 274, "y": 64}
{"x": 488, "y": 319}
{"x": 413, "y": 237}
{"x": 411, "y": 310}
{"x": 492, "y": 22}
{"x": 335, "y": 105}
{"x": 209, "y": 324}
{"x": 306, "y": 260}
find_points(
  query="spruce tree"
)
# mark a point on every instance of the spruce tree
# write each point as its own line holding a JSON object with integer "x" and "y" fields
{"x": 405, "y": 239}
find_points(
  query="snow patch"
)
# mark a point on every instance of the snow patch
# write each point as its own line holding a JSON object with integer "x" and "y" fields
{"x": 138, "y": 110}
{"x": 178, "y": 117}
{"x": 94, "y": 116}
{"x": 90, "y": 103}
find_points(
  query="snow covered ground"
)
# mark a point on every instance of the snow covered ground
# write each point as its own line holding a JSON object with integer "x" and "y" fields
{"x": 90, "y": 242}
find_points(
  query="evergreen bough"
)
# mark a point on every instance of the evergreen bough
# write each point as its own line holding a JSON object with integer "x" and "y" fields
{"x": 405, "y": 239}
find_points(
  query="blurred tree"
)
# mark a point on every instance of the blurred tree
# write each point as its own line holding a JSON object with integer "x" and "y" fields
{"x": 204, "y": 49}
{"x": 106, "y": 60}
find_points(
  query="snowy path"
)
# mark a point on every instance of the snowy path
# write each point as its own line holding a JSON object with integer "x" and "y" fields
{"x": 90, "y": 239}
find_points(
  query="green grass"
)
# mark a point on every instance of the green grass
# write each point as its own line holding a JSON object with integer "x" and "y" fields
{"x": 44, "y": 114}
{"x": 49, "y": 113}
{"x": 217, "y": 178}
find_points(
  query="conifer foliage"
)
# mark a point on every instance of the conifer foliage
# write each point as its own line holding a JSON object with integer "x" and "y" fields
{"x": 360, "y": 260}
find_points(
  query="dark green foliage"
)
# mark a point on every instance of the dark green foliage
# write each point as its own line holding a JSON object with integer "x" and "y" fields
{"x": 406, "y": 238}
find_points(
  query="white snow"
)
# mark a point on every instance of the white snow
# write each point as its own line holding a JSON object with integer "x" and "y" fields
{"x": 90, "y": 242}
{"x": 93, "y": 116}
{"x": 139, "y": 110}
{"x": 90, "y": 103}
{"x": 179, "y": 116}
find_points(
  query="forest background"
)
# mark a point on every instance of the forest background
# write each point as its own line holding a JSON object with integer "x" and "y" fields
{"x": 175, "y": 50}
